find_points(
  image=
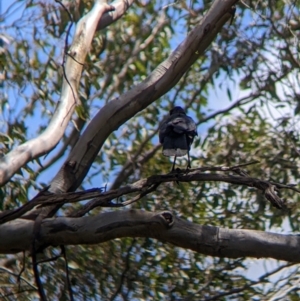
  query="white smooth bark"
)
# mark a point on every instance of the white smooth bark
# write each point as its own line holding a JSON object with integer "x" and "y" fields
{"x": 17, "y": 235}
{"x": 45, "y": 142}
{"x": 121, "y": 7}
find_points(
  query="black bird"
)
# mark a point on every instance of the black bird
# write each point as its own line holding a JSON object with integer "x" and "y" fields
{"x": 176, "y": 134}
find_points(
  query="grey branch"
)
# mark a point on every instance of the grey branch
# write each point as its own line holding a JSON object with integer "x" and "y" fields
{"x": 16, "y": 236}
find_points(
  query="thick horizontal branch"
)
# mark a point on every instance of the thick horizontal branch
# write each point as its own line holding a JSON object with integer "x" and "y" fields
{"x": 16, "y": 236}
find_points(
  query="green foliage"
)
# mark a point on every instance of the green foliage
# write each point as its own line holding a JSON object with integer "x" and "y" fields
{"x": 243, "y": 93}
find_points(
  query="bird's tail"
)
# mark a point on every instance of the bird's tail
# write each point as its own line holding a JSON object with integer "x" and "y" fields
{"x": 175, "y": 146}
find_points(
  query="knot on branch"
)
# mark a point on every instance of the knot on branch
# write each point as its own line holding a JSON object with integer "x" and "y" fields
{"x": 271, "y": 195}
{"x": 269, "y": 191}
{"x": 167, "y": 218}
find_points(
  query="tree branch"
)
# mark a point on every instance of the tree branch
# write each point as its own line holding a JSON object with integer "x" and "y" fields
{"x": 144, "y": 187}
{"x": 47, "y": 198}
{"x": 120, "y": 8}
{"x": 44, "y": 143}
{"x": 119, "y": 110}
{"x": 17, "y": 235}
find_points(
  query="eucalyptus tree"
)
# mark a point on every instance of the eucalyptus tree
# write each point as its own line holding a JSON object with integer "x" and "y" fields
{"x": 89, "y": 208}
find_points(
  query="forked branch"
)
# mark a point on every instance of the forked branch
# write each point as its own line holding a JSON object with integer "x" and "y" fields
{"x": 148, "y": 185}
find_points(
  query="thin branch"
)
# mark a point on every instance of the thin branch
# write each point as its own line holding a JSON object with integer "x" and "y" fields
{"x": 68, "y": 53}
{"x": 45, "y": 196}
{"x": 242, "y": 101}
{"x": 125, "y": 271}
{"x": 3, "y": 269}
{"x": 141, "y": 195}
{"x": 54, "y": 258}
{"x": 18, "y": 293}
{"x": 147, "y": 185}
{"x": 21, "y": 271}
{"x": 36, "y": 272}
{"x": 246, "y": 286}
{"x": 63, "y": 251}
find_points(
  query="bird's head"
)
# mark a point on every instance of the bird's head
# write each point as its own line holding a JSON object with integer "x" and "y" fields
{"x": 177, "y": 110}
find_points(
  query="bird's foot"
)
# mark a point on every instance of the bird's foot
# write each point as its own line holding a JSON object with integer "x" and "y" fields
{"x": 175, "y": 170}
{"x": 188, "y": 168}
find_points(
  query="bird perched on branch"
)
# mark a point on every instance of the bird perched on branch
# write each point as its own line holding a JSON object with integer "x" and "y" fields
{"x": 176, "y": 134}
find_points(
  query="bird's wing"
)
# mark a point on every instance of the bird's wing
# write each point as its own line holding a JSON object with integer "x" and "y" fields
{"x": 162, "y": 130}
{"x": 179, "y": 124}
{"x": 191, "y": 126}
{"x": 171, "y": 124}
